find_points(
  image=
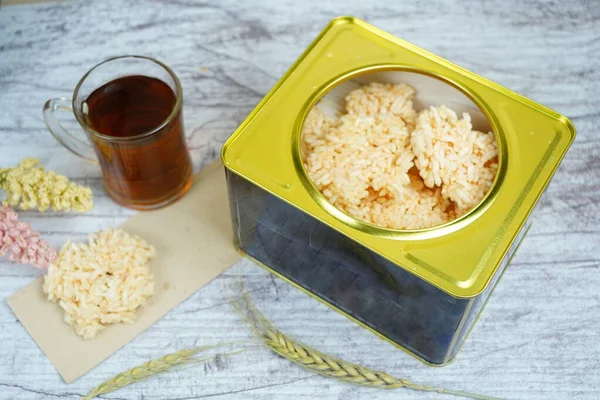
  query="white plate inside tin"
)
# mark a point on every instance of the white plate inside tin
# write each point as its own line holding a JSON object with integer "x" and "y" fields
{"x": 429, "y": 92}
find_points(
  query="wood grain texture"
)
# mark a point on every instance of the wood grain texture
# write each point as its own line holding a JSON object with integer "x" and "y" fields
{"x": 539, "y": 336}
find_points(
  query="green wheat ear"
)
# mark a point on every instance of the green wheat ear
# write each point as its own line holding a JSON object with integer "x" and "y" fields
{"x": 155, "y": 367}
{"x": 278, "y": 342}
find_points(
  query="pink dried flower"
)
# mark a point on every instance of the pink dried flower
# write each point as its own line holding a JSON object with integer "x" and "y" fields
{"x": 24, "y": 245}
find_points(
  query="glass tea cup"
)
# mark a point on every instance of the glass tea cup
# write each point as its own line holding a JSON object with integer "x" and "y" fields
{"x": 130, "y": 108}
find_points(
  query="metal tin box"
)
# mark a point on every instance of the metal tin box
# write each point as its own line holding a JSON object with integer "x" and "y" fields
{"x": 420, "y": 289}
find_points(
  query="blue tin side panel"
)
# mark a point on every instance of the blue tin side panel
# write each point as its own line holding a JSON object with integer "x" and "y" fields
{"x": 416, "y": 315}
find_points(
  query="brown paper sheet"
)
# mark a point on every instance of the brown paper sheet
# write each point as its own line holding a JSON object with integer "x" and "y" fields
{"x": 193, "y": 242}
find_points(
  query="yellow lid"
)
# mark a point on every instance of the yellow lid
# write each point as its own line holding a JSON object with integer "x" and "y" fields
{"x": 460, "y": 257}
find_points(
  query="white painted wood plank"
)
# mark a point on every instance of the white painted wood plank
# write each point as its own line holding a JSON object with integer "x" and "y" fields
{"x": 539, "y": 336}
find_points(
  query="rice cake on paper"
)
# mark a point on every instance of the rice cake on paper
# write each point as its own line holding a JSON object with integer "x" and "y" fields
{"x": 199, "y": 223}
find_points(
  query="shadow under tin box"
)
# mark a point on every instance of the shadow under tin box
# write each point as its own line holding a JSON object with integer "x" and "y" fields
{"x": 419, "y": 289}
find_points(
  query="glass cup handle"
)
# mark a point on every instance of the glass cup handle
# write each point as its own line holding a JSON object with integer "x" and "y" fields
{"x": 79, "y": 147}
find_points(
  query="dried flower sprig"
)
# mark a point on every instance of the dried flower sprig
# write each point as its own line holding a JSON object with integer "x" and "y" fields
{"x": 28, "y": 186}
{"x": 324, "y": 364}
{"x": 24, "y": 245}
{"x": 152, "y": 368}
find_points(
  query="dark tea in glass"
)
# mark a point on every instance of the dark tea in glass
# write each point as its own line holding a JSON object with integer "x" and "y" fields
{"x": 132, "y": 113}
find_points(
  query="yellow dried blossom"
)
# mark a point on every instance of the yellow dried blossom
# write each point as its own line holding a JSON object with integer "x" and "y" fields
{"x": 28, "y": 187}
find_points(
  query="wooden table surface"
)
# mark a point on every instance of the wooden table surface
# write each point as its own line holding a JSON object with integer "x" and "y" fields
{"x": 539, "y": 336}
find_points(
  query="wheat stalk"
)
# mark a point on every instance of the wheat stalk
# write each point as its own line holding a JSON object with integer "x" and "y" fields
{"x": 153, "y": 368}
{"x": 278, "y": 342}
{"x": 324, "y": 364}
